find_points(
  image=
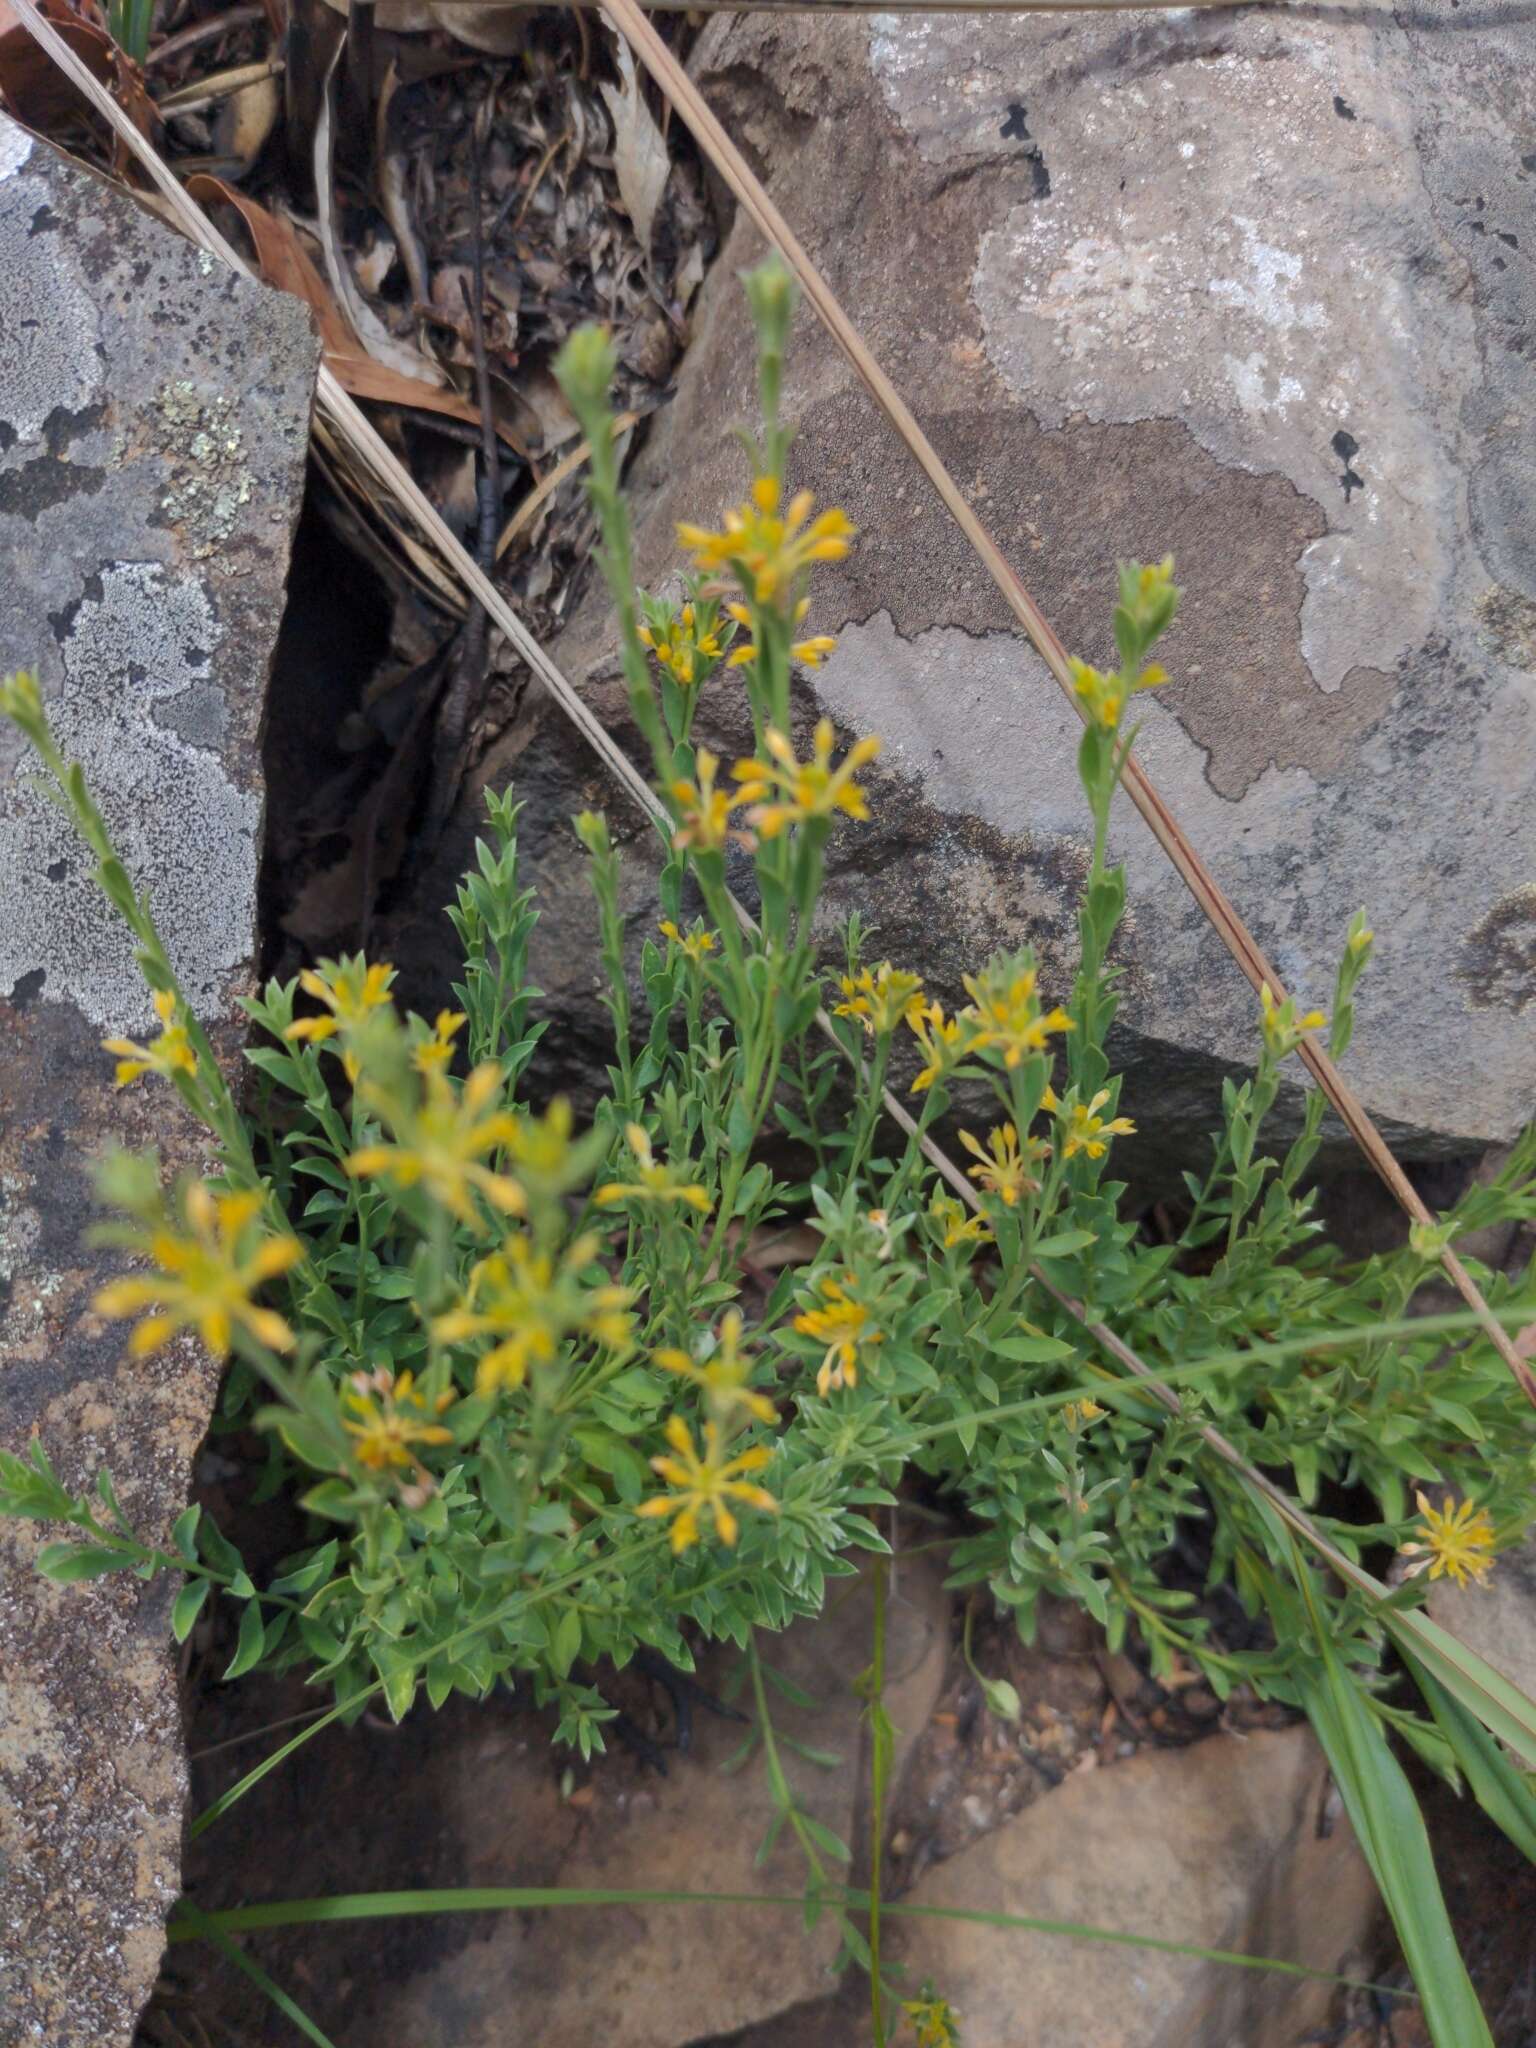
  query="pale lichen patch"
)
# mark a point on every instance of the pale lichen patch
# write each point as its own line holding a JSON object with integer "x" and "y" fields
{"x": 142, "y": 636}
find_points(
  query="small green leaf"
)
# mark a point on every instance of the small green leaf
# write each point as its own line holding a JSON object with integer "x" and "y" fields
{"x": 252, "y": 1636}
{"x": 188, "y": 1606}
{"x": 184, "y": 1533}
{"x": 65, "y": 1563}
{"x": 1064, "y": 1243}
{"x": 566, "y": 1643}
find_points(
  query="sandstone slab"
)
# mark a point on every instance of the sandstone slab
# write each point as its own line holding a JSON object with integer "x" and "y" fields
{"x": 1228, "y": 1844}
{"x": 154, "y": 418}
{"x": 1250, "y": 287}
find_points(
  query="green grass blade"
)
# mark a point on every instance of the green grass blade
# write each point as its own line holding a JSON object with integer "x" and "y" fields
{"x": 258, "y": 1976}
{"x": 1496, "y": 1701}
{"x": 1499, "y": 1789}
{"x": 1392, "y": 1835}
{"x": 188, "y": 1923}
{"x": 226, "y": 1800}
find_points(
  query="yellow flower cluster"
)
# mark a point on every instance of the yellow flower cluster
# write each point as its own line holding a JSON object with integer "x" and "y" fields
{"x": 442, "y": 1141}
{"x": 695, "y": 945}
{"x": 1004, "y": 1170}
{"x": 723, "y": 1376}
{"x": 208, "y": 1274}
{"x": 686, "y": 643}
{"x": 654, "y": 1182}
{"x": 1088, "y": 1132}
{"x": 532, "y": 1302}
{"x": 388, "y": 1417}
{"x": 880, "y": 997}
{"x": 1005, "y": 1013}
{"x": 945, "y": 1041}
{"x": 844, "y": 1324}
{"x": 764, "y": 549}
{"x": 956, "y": 1224}
{"x": 812, "y": 652}
{"x": 801, "y": 791}
{"x": 708, "y": 1483}
{"x": 437, "y": 1051}
{"x": 171, "y": 1053}
{"x": 1283, "y": 1028}
{"x": 349, "y": 989}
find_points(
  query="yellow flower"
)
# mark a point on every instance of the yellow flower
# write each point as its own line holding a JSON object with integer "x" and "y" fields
{"x": 723, "y": 1375}
{"x": 704, "y": 1482}
{"x": 533, "y": 1303}
{"x": 349, "y": 989}
{"x": 1283, "y": 1029}
{"x": 437, "y": 1051}
{"x": 881, "y": 997}
{"x": 812, "y": 653}
{"x": 1088, "y": 1132}
{"x": 807, "y": 789}
{"x": 957, "y": 1224}
{"x": 694, "y": 945}
{"x": 1003, "y": 1172}
{"x": 441, "y": 1144}
{"x": 1078, "y": 1414}
{"x": 1457, "y": 1545}
{"x": 933, "y": 2021}
{"x": 764, "y": 550}
{"x": 1005, "y": 1012}
{"x": 684, "y": 642}
{"x": 208, "y": 1274}
{"x": 170, "y": 1053}
{"x": 1103, "y": 694}
{"x": 657, "y": 1183}
{"x": 704, "y": 812}
{"x": 844, "y": 1326}
{"x": 391, "y": 1416}
{"x": 944, "y": 1042}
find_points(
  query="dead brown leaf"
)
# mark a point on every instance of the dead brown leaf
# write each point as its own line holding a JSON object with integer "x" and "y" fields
{"x": 640, "y": 158}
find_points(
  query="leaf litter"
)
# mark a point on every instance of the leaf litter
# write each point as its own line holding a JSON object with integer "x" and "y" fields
{"x": 339, "y": 150}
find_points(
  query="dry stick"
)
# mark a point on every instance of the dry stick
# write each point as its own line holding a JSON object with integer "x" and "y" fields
{"x": 365, "y": 445}
{"x": 629, "y": 18}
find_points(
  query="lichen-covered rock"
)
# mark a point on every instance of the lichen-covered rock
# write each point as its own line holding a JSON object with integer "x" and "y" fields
{"x": 153, "y": 423}
{"x": 1250, "y": 287}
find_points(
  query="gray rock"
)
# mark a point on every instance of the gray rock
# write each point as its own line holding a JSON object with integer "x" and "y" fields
{"x": 1230, "y": 1844}
{"x": 1247, "y": 287}
{"x": 154, "y": 418}
{"x": 1496, "y": 1619}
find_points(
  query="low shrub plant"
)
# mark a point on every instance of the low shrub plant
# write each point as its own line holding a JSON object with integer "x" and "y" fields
{"x": 541, "y": 1396}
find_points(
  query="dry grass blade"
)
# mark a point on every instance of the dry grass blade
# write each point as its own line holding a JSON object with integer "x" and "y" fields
{"x": 369, "y": 452}
{"x": 629, "y": 18}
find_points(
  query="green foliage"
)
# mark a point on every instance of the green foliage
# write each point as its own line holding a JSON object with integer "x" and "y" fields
{"x": 540, "y": 1404}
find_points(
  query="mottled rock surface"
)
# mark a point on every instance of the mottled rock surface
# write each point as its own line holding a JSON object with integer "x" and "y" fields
{"x": 1256, "y": 288}
{"x": 153, "y": 423}
{"x": 1230, "y": 1844}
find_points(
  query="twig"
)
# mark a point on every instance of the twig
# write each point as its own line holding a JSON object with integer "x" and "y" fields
{"x": 467, "y": 679}
{"x": 204, "y": 93}
{"x": 552, "y": 480}
{"x": 628, "y": 17}
{"x": 204, "y": 31}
